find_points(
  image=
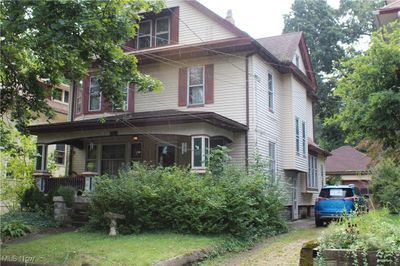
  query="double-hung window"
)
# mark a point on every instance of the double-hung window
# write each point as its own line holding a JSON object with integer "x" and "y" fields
{"x": 78, "y": 106}
{"x": 312, "y": 172}
{"x": 270, "y": 92}
{"x": 162, "y": 31}
{"x": 59, "y": 154}
{"x": 123, "y": 105}
{"x": 57, "y": 94}
{"x": 91, "y": 158}
{"x": 297, "y": 122}
{"x": 94, "y": 95}
{"x": 272, "y": 159}
{"x": 144, "y": 34}
{"x": 303, "y": 128}
{"x": 196, "y": 85}
{"x": 200, "y": 150}
{"x": 40, "y": 153}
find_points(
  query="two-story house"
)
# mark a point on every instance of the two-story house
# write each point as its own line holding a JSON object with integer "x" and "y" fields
{"x": 222, "y": 87}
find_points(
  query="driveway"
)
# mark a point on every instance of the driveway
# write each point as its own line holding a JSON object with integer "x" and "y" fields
{"x": 280, "y": 250}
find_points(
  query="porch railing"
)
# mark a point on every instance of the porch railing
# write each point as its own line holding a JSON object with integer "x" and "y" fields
{"x": 51, "y": 183}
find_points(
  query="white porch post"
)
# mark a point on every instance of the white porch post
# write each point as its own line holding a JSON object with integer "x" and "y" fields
{"x": 89, "y": 180}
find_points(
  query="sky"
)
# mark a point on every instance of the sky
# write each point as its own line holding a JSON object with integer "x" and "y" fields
{"x": 259, "y": 18}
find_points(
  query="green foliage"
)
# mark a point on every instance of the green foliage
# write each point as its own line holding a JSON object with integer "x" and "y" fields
{"x": 333, "y": 180}
{"x": 14, "y": 229}
{"x": 40, "y": 49}
{"x": 68, "y": 193}
{"x": 17, "y": 153}
{"x": 328, "y": 31}
{"x": 234, "y": 202}
{"x": 374, "y": 231}
{"x": 33, "y": 199}
{"x": 35, "y": 219}
{"x": 218, "y": 160}
{"x": 370, "y": 90}
{"x": 386, "y": 185}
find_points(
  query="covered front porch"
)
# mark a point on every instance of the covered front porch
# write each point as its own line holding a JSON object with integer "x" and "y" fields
{"x": 105, "y": 145}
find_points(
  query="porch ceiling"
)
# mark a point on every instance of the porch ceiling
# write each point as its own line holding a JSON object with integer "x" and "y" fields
{"x": 164, "y": 117}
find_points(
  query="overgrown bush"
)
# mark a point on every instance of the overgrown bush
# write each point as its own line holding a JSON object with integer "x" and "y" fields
{"x": 376, "y": 231}
{"x": 386, "y": 185}
{"x": 35, "y": 219}
{"x": 12, "y": 229}
{"x": 154, "y": 198}
{"x": 68, "y": 193}
{"x": 33, "y": 199}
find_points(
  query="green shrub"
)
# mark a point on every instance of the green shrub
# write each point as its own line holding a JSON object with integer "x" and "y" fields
{"x": 33, "y": 199}
{"x": 375, "y": 231}
{"x": 68, "y": 193}
{"x": 14, "y": 229}
{"x": 35, "y": 219}
{"x": 386, "y": 185}
{"x": 154, "y": 198}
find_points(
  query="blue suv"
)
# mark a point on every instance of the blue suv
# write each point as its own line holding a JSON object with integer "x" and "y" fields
{"x": 333, "y": 201}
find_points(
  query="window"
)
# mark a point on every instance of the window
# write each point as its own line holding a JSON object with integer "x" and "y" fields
{"x": 79, "y": 98}
{"x": 270, "y": 92}
{"x": 166, "y": 155}
{"x": 162, "y": 31}
{"x": 312, "y": 172}
{"x": 124, "y": 104}
{"x": 59, "y": 154}
{"x": 196, "y": 85}
{"x": 272, "y": 159}
{"x": 136, "y": 151}
{"x": 297, "y": 61}
{"x": 40, "y": 157}
{"x": 91, "y": 158}
{"x": 112, "y": 158}
{"x": 57, "y": 94}
{"x": 66, "y": 96}
{"x": 303, "y": 128}
{"x": 94, "y": 95}
{"x": 144, "y": 35}
{"x": 200, "y": 150}
{"x": 297, "y": 136}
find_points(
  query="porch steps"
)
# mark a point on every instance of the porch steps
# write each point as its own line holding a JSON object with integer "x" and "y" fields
{"x": 80, "y": 215}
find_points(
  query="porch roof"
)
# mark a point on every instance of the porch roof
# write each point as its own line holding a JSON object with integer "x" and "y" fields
{"x": 163, "y": 117}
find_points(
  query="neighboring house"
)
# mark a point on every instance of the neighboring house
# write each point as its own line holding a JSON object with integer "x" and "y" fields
{"x": 222, "y": 87}
{"x": 389, "y": 13}
{"x": 58, "y": 153}
{"x": 351, "y": 165}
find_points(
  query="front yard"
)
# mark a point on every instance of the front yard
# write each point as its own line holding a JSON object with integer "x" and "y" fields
{"x": 75, "y": 248}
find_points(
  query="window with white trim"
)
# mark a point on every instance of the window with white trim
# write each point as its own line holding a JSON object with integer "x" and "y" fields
{"x": 200, "y": 151}
{"x": 91, "y": 158}
{"x": 312, "y": 172}
{"x": 303, "y": 129}
{"x": 123, "y": 105}
{"x": 297, "y": 125}
{"x": 40, "y": 153}
{"x": 270, "y": 92}
{"x": 94, "y": 95}
{"x": 78, "y": 107}
{"x": 144, "y": 34}
{"x": 162, "y": 31}
{"x": 66, "y": 97}
{"x": 196, "y": 85}
{"x": 272, "y": 159}
{"x": 59, "y": 154}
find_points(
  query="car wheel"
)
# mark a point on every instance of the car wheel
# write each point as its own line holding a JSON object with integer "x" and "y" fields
{"x": 318, "y": 222}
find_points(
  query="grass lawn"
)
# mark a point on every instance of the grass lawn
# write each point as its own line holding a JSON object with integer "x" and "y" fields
{"x": 75, "y": 248}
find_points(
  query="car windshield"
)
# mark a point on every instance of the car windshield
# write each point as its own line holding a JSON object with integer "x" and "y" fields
{"x": 336, "y": 193}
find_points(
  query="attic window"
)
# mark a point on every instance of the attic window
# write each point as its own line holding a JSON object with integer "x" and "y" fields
{"x": 297, "y": 61}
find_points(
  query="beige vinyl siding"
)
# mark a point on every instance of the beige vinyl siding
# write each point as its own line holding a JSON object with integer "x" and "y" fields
{"x": 264, "y": 124}
{"x": 309, "y": 197}
{"x": 191, "y": 20}
{"x": 229, "y": 87}
{"x": 309, "y": 118}
{"x": 287, "y": 122}
{"x": 300, "y": 110}
{"x": 78, "y": 160}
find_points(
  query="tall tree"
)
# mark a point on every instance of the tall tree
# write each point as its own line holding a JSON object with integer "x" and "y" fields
{"x": 44, "y": 42}
{"x": 328, "y": 32}
{"x": 369, "y": 86}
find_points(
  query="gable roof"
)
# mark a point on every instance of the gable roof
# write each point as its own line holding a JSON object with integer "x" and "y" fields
{"x": 282, "y": 46}
{"x": 347, "y": 159}
{"x": 392, "y": 6}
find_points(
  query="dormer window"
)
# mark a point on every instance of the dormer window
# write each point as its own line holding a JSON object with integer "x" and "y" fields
{"x": 162, "y": 31}
{"x": 144, "y": 34}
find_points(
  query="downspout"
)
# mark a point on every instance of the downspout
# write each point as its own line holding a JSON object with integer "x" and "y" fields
{"x": 247, "y": 112}
{"x": 70, "y": 119}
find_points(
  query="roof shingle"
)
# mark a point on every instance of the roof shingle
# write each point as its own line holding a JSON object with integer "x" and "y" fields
{"x": 282, "y": 46}
{"x": 347, "y": 159}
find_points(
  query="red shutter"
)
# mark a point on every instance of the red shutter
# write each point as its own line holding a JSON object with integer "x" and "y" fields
{"x": 131, "y": 98}
{"x": 85, "y": 95}
{"x": 209, "y": 83}
{"x": 182, "y": 87}
{"x": 174, "y": 25}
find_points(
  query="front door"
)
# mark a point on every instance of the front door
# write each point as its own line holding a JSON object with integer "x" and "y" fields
{"x": 166, "y": 155}
{"x": 295, "y": 204}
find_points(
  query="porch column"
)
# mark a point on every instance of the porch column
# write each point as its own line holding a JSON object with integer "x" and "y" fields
{"x": 89, "y": 180}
